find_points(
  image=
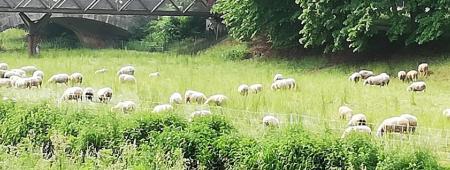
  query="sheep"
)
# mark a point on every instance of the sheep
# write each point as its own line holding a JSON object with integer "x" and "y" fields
{"x": 218, "y": 99}
{"x": 126, "y": 70}
{"x": 14, "y": 79}
{"x": 29, "y": 69}
{"x": 270, "y": 121}
{"x": 357, "y": 119}
{"x": 417, "y": 86}
{"x": 103, "y": 70}
{"x": 73, "y": 93}
{"x": 35, "y": 81}
{"x": 194, "y": 96}
{"x": 412, "y": 75}
{"x": 38, "y": 73}
{"x": 277, "y": 77}
{"x": 76, "y": 78}
{"x": 5, "y": 82}
{"x": 155, "y": 74}
{"x": 3, "y": 66}
{"x": 412, "y": 122}
{"x": 380, "y": 80}
{"x": 256, "y": 88}
{"x": 393, "y": 124}
{"x": 175, "y": 98}
{"x": 366, "y": 74}
{"x": 355, "y": 77}
{"x": 359, "y": 129}
{"x": 446, "y": 113}
{"x": 22, "y": 83}
{"x": 105, "y": 94}
{"x": 19, "y": 71}
{"x": 9, "y": 74}
{"x": 59, "y": 79}
{"x": 401, "y": 75}
{"x": 125, "y": 78}
{"x": 88, "y": 93}
{"x": 124, "y": 107}
{"x": 162, "y": 108}
{"x": 243, "y": 89}
{"x": 199, "y": 113}
{"x": 345, "y": 112}
{"x": 288, "y": 83}
{"x": 423, "y": 69}
{"x": 2, "y": 73}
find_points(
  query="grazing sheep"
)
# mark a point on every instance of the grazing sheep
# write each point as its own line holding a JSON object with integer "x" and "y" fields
{"x": 417, "y": 86}
{"x": 194, "y": 96}
{"x": 5, "y": 82}
{"x": 73, "y": 93}
{"x": 105, "y": 94}
{"x": 3, "y": 66}
{"x": 162, "y": 108}
{"x": 358, "y": 119}
{"x": 345, "y": 112}
{"x": 423, "y": 69}
{"x": 270, "y": 121}
{"x": 277, "y": 77}
{"x": 124, "y": 107}
{"x": 14, "y": 79}
{"x": 89, "y": 93}
{"x": 22, "y": 83}
{"x": 393, "y": 124}
{"x": 365, "y": 74}
{"x": 380, "y": 80}
{"x": 218, "y": 99}
{"x": 35, "y": 81}
{"x": 402, "y": 75}
{"x": 39, "y": 73}
{"x": 358, "y": 129}
{"x": 355, "y": 77}
{"x": 243, "y": 89}
{"x": 288, "y": 83}
{"x": 175, "y": 98}
{"x": 412, "y": 122}
{"x": 126, "y": 70}
{"x": 9, "y": 74}
{"x": 199, "y": 113}
{"x": 256, "y": 88}
{"x": 29, "y": 69}
{"x": 19, "y": 71}
{"x": 412, "y": 75}
{"x": 155, "y": 74}
{"x": 103, "y": 70}
{"x": 59, "y": 79}
{"x": 125, "y": 78}
{"x": 76, "y": 78}
{"x": 446, "y": 113}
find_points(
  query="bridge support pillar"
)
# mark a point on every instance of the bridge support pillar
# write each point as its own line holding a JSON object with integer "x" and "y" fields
{"x": 34, "y": 31}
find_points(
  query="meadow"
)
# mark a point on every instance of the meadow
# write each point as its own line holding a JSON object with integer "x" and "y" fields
{"x": 313, "y": 105}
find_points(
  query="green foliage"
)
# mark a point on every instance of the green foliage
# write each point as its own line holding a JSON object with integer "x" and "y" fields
{"x": 407, "y": 160}
{"x": 237, "y": 53}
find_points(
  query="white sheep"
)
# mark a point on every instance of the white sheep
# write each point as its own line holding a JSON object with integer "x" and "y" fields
{"x": 14, "y": 79}
{"x": 162, "y": 108}
{"x": 412, "y": 75}
{"x": 417, "y": 86}
{"x": 366, "y": 74}
{"x": 243, "y": 89}
{"x": 199, "y": 113}
{"x": 256, "y": 88}
{"x": 73, "y": 93}
{"x": 393, "y": 124}
{"x": 423, "y": 69}
{"x": 288, "y": 83}
{"x": 357, "y": 119}
{"x": 29, "y": 69}
{"x": 88, "y": 93}
{"x": 103, "y": 70}
{"x": 401, "y": 75}
{"x": 4, "y": 66}
{"x": 9, "y": 74}
{"x": 19, "y": 71}
{"x": 125, "y": 78}
{"x": 175, "y": 98}
{"x": 355, "y": 77}
{"x": 277, "y": 77}
{"x": 126, "y": 70}
{"x": 446, "y": 113}
{"x": 412, "y": 122}
{"x": 380, "y": 80}
{"x": 194, "y": 96}
{"x": 358, "y": 129}
{"x": 218, "y": 99}
{"x": 22, "y": 83}
{"x": 38, "y": 73}
{"x": 124, "y": 107}
{"x": 105, "y": 94}
{"x": 345, "y": 112}
{"x": 270, "y": 121}
{"x": 5, "y": 82}
{"x": 59, "y": 79}
{"x": 76, "y": 78}
{"x": 35, "y": 81}
{"x": 155, "y": 74}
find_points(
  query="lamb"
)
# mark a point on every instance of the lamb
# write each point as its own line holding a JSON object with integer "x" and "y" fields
{"x": 355, "y": 77}
{"x": 39, "y": 73}
{"x": 412, "y": 122}
{"x": 175, "y": 98}
{"x": 256, "y": 88}
{"x": 155, "y": 74}
{"x": 446, "y": 113}
{"x": 194, "y": 96}
{"x": 218, "y": 99}
{"x": 103, "y": 70}
{"x": 283, "y": 84}
{"x": 162, "y": 108}
{"x": 105, "y": 94}
{"x": 423, "y": 69}
{"x": 366, "y": 74}
{"x": 5, "y": 82}
{"x": 125, "y": 78}
{"x": 380, "y": 80}
{"x": 412, "y": 75}
{"x": 358, "y": 119}
{"x": 199, "y": 113}
{"x": 401, "y": 75}
{"x": 359, "y": 129}
{"x": 76, "y": 78}
{"x": 3, "y": 66}
{"x": 345, "y": 112}
{"x": 124, "y": 107}
{"x": 417, "y": 86}
{"x": 243, "y": 89}
{"x": 73, "y": 93}
{"x": 393, "y": 124}
{"x": 270, "y": 121}
{"x": 89, "y": 93}
{"x": 29, "y": 69}
{"x": 277, "y": 77}
{"x": 59, "y": 79}
{"x": 126, "y": 70}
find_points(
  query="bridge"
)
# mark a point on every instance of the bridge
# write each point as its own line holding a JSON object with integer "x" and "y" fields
{"x": 95, "y": 22}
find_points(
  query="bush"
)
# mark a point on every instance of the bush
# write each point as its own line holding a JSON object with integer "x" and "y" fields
{"x": 239, "y": 53}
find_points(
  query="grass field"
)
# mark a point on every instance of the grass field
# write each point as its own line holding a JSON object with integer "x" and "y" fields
{"x": 321, "y": 88}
